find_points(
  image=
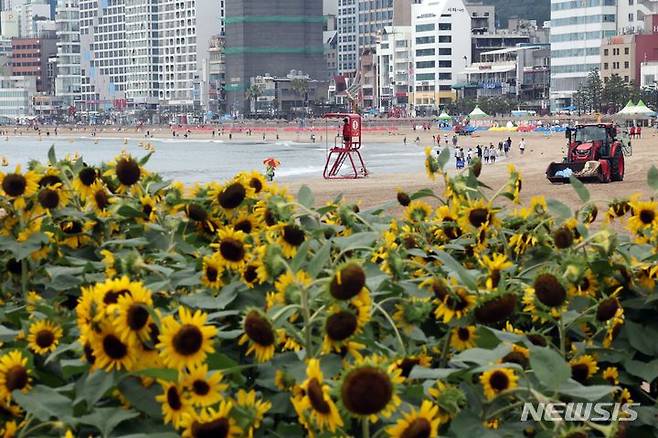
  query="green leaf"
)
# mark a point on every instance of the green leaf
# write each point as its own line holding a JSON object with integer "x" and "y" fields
{"x": 456, "y": 267}
{"x": 6, "y": 334}
{"x": 589, "y": 393}
{"x": 652, "y": 178}
{"x": 423, "y": 193}
{"x": 430, "y": 373}
{"x": 549, "y": 367}
{"x": 203, "y": 301}
{"x": 45, "y": 403}
{"x": 646, "y": 370}
{"x": 107, "y": 419}
{"x": 481, "y": 356}
{"x": 305, "y": 197}
{"x": 167, "y": 374}
{"x": 134, "y": 242}
{"x": 319, "y": 260}
{"x": 559, "y": 209}
{"x": 94, "y": 386}
{"x": 142, "y": 398}
{"x": 642, "y": 338}
{"x": 52, "y": 159}
{"x": 129, "y": 211}
{"x": 443, "y": 158}
{"x": 358, "y": 240}
{"x": 580, "y": 189}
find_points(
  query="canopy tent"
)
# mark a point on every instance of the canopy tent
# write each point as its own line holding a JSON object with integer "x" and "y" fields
{"x": 642, "y": 109}
{"x": 639, "y": 111}
{"x": 627, "y": 109}
{"x": 445, "y": 116}
{"x": 477, "y": 113}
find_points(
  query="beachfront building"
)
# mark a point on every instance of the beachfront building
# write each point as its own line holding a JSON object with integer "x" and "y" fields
{"x": 29, "y": 57}
{"x": 141, "y": 48}
{"x": 441, "y": 47}
{"x": 394, "y": 65}
{"x": 578, "y": 28}
{"x": 282, "y": 95}
{"x": 16, "y": 94}
{"x": 68, "y": 82}
{"x": 348, "y": 41}
{"x": 632, "y": 15}
{"x": 271, "y": 39}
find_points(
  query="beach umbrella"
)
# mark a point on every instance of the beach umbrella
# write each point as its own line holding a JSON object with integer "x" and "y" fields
{"x": 445, "y": 116}
{"x": 271, "y": 162}
{"x": 477, "y": 113}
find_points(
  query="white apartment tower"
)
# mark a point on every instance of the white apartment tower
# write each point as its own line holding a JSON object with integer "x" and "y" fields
{"x": 577, "y": 29}
{"x": 142, "y": 56}
{"x": 441, "y": 47}
{"x": 68, "y": 81}
{"x": 348, "y": 37}
{"x": 395, "y": 63}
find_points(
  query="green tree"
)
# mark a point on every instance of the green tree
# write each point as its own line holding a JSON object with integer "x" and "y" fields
{"x": 252, "y": 94}
{"x": 300, "y": 86}
{"x": 616, "y": 93}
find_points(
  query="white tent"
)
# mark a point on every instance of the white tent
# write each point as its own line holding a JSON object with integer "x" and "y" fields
{"x": 445, "y": 116}
{"x": 627, "y": 110}
{"x": 477, "y": 113}
{"x": 641, "y": 109}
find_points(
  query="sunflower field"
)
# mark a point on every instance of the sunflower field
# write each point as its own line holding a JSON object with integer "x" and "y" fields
{"x": 137, "y": 307}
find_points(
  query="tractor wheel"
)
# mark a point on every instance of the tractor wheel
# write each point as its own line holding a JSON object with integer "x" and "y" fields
{"x": 617, "y": 165}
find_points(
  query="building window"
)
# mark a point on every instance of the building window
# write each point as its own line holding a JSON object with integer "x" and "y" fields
{"x": 424, "y": 27}
{"x": 605, "y": 52}
{"x": 627, "y": 51}
{"x": 445, "y": 38}
{"x": 425, "y": 52}
{"x": 605, "y": 66}
{"x": 445, "y": 51}
{"x": 625, "y": 78}
{"x": 425, "y": 64}
{"x": 626, "y": 64}
{"x": 445, "y": 26}
{"x": 425, "y": 77}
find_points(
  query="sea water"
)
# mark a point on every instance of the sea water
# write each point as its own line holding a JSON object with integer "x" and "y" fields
{"x": 195, "y": 160}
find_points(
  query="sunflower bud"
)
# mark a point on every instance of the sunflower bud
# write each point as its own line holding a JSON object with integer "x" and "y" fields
{"x": 549, "y": 290}
{"x": 403, "y": 199}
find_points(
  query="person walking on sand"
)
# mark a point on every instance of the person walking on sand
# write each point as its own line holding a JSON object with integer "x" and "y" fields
{"x": 522, "y": 146}
{"x": 486, "y": 155}
{"x": 404, "y": 140}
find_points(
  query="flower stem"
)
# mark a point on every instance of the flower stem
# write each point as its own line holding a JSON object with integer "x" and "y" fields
{"x": 24, "y": 277}
{"x": 403, "y": 349}
{"x": 306, "y": 313}
{"x": 365, "y": 428}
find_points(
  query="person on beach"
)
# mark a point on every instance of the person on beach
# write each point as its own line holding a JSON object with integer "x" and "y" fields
{"x": 347, "y": 133}
{"x": 404, "y": 140}
{"x": 454, "y": 141}
{"x": 522, "y": 146}
{"x": 485, "y": 153}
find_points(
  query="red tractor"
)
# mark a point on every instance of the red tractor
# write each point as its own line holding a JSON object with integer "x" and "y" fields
{"x": 595, "y": 154}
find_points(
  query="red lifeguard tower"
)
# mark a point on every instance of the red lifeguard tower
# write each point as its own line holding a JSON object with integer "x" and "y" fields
{"x": 347, "y": 149}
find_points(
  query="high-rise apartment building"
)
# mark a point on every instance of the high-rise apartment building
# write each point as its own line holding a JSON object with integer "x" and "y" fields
{"x": 68, "y": 83}
{"x": 578, "y": 27}
{"x": 272, "y": 38}
{"x": 29, "y": 57}
{"x": 441, "y": 46}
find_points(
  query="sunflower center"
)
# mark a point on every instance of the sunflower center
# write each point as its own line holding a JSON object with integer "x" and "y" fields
{"x": 450, "y": 229}
{"x": 232, "y": 196}
{"x": 348, "y": 283}
{"x": 128, "y": 171}
{"x": 49, "y": 180}
{"x": 580, "y": 372}
{"x": 250, "y": 274}
{"x": 478, "y": 217}
{"x": 366, "y": 391}
{"x": 258, "y": 329}
{"x": 45, "y": 338}
{"x": 270, "y": 218}
{"x": 585, "y": 284}
{"x": 549, "y": 290}
{"x": 188, "y": 340}
{"x": 16, "y": 378}
{"x": 244, "y": 226}
{"x": 71, "y": 227}
{"x": 173, "y": 399}
{"x": 14, "y": 266}
{"x": 102, "y": 200}
{"x": 200, "y": 387}
{"x": 463, "y": 334}
{"x": 89, "y": 354}
{"x": 14, "y": 184}
{"x": 147, "y": 209}
{"x": 114, "y": 348}
{"x": 293, "y": 235}
{"x": 232, "y": 250}
{"x": 112, "y": 296}
{"x": 341, "y": 325}
{"x": 563, "y": 238}
{"x": 154, "y": 337}
{"x": 211, "y": 273}
{"x": 456, "y": 302}
{"x": 499, "y": 381}
{"x": 218, "y": 428}
{"x": 647, "y": 216}
{"x": 407, "y": 364}
{"x": 418, "y": 428}
{"x": 440, "y": 289}
{"x": 607, "y": 309}
{"x": 137, "y": 317}
{"x": 196, "y": 212}
{"x": 316, "y": 396}
{"x": 516, "y": 357}
{"x": 48, "y": 198}
{"x": 497, "y": 309}
{"x": 495, "y": 278}
{"x": 87, "y": 176}
{"x": 256, "y": 184}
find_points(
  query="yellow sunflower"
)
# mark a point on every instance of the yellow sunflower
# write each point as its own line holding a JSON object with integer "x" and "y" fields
{"x": 110, "y": 352}
{"x": 256, "y": 409}
{"x": 43, "y": 337}
{"x": 611, "y": 375}
{"x": 583, "y": 367}
{"x": 416, "y": 423}
{"x": 176, "y": 406}
{"x": 14, "y": 374}
{"x": 260, "y": 335}
{"x": 131, "y": 315}
{"x": 212, "y": 423}
{"x": 291, "y": 237}
{"x": 84, "y": 182}
{"x": 418, "y": 211}
{"x": 231, "y": 195}
{"x": 149, "y": 208}
{"x": 477, "y": 215}
{"x": 246, "y": 223}
{"x": 204, "y": 389}
{"x": 232, "y": 249}
{"x": 498, "y": 380}
{"x": 463, "y": 338}
{"x": 644, "y": 216}
{"x": 446, "y": 217}
{"x": 323, "y": 411}
{"x": 127, "y": 172}
{"x": 17, "y": 186}
{"x": 369, "y": 390}
{"x": 254, "y": 273}
{"x": 495, "y": 265}
{"x": 99, "y": 199}
{"x": 185, "y": 343}
{"x": 454, "y": 305}
{"x": 213, "y": 269}
{"x": 52, "y": 197}
{"x": 407, "y": 364}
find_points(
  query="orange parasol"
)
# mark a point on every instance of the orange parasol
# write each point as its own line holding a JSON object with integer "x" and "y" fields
{"x": 272, "y": 162}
